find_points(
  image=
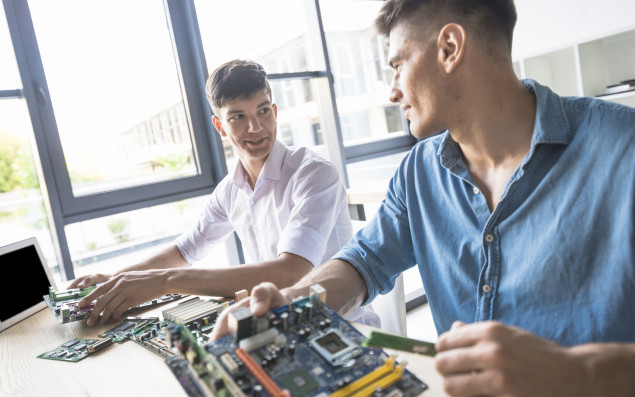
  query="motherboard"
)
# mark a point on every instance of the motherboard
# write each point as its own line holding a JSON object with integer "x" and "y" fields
{"x": 301, "y": 349}
{"x": 64, "y": 304}
{"x": 196, "y": 314}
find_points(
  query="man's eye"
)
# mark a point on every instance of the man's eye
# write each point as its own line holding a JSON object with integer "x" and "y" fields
{"x": 236, "y": 117}
{"x": 265, "y": 110}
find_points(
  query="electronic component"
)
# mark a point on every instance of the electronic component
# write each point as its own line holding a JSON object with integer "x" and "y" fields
{"x": 76, "y": 349}
{"x": 396, "y": 342}
{"x": 306, "y": 350}
{"x": 129, "y": 327}
{"x": 148, "y": 332}
{"x": 197, "y": 314}
{"x": 64, "y": 304}
{"x": 240, "y": 295}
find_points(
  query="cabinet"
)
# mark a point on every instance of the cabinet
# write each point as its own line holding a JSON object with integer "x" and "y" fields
{"x": 586, "y": 68}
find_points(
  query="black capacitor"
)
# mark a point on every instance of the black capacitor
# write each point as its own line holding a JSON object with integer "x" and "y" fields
{"x": 284, "y": 317}
{"x": 298, "y": 314}
{"x": 308, "y": 308}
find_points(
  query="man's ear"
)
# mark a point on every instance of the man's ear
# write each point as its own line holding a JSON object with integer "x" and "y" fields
{"x": 275, "y": 109}
{"x": 218, "y": 125}
{"x": 451, "y": 45}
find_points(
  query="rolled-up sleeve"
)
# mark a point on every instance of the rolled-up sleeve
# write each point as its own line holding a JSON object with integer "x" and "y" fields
{"x": 212, "y": 226}
{"x": 383, "y": 249}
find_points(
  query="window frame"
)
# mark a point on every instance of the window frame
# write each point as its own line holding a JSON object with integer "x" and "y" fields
{"x": 65, "y": 208}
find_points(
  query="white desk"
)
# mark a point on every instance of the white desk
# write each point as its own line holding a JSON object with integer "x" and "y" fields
{"x": 122, "y": 369}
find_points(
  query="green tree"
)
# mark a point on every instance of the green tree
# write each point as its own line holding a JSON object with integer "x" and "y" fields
{"x": 16, "y": 164}
{"x": 174, "y": 162}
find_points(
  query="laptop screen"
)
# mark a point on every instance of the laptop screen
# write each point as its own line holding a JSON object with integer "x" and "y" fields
{"x": 23, "y": 264}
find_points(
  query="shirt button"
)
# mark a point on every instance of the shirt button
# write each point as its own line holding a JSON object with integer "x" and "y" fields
{"x": 476, "y": 191}
{"x": 487, "y": 289}
{"x": 489, "y": 238}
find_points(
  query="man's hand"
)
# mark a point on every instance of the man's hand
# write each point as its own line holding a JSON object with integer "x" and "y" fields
{"x": 264, "y": 297}
{"x": 88, "y": 281}
{"x": 492, "y": 359}
{"x": 122, "y": 292}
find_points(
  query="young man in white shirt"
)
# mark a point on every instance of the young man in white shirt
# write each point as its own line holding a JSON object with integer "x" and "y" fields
{"x": 288, "y": 207}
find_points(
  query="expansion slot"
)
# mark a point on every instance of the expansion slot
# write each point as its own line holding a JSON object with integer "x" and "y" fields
{"x": 360, "y": 384}
{"x": 264, "y": 379}
{"x": 74, "y": 293}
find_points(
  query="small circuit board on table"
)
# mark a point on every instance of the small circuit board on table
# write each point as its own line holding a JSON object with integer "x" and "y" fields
{"x": 196, "y": 314}
{"x": 64, "y": 304}
{"x": 76, "y": 349}
{"x": 302, "y": 349}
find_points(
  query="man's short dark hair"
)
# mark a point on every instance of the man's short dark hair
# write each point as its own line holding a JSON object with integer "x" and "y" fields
{"x": 235, "y": 79}
{"x": 489, "y": 18}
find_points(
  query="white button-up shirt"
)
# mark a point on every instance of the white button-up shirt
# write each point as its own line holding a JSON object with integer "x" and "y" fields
{"x": 298, "y": 206}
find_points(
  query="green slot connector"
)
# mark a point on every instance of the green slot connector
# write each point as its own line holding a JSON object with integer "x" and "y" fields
{"x": 380, "y": 339}
{"x": 74, "y": 293}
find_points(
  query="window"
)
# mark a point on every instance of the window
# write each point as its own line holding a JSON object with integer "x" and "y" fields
{"x": 280, "y": 42}
{"x": 362, "y": 76}
{"x": 272, "y": 33}
{"x": 22, "y": 208}
{"x": 111, "y": 86}
{"x": 119, "y": 130}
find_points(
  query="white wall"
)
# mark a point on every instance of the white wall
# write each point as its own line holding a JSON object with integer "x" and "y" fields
{"x": 545, "y": 25}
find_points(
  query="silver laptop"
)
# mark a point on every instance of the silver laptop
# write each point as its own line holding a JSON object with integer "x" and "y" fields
{"x": 23, "y": 265}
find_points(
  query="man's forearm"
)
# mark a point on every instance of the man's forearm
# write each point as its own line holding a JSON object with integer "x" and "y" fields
{"x": 345, "y": 288}
{"x": 282, "y": 271}
{"x": 169, "y": 258}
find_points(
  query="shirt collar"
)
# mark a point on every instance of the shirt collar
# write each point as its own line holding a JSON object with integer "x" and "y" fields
{"x": 550, "y": 127}
{"x": 271, "y": 170}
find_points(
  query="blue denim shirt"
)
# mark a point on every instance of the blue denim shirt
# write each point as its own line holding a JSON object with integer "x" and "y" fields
{"x": 555, "y": 257}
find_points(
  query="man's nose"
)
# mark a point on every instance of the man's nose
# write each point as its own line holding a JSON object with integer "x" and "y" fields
{"x": 254, "y": 124}
{"x": 395, "y": 94}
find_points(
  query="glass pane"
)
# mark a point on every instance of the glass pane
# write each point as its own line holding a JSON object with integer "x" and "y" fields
{"x": 116, "y": 94}
{"x": 272, "y": 33}
{"x": 9, "y": 76}
{"x": 110, "y": 243}
{"x": 362, "y": 75}
{"x": 374, "y": 174}
{"x": 22, "y": 211}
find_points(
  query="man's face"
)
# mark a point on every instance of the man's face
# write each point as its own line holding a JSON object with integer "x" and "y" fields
{"x": 250, "y": 124}
{"x": 416, "y": 85}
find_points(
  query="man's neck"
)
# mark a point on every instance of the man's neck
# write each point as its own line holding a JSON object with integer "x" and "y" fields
{"x": 252, "y": 170}
{"x": 497, "y": 137}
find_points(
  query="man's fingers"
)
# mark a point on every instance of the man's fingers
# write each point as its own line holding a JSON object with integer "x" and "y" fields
{"x": 457, "y": 361}
{"x": 473, "y": 383}
{"x": 102, "y": 300}
{"x": 466, "y": 335}
{"x": 264, "y": 297}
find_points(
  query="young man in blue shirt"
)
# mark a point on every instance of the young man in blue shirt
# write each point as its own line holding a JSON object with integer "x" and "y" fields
{"x": 520, "y": 214}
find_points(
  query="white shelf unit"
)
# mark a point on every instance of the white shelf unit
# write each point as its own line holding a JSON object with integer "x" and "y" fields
{"x": 585, "y": 68}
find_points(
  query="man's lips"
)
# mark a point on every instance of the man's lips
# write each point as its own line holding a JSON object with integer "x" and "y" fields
{"x": 405, "y": 110}
{"x": 255, "y": 141}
